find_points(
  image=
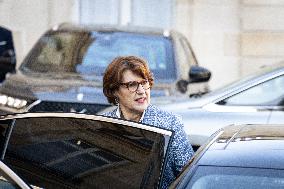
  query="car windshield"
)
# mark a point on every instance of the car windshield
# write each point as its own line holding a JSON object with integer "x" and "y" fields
{"x": 88, "y": 53}
{"x": 212, "y": 177}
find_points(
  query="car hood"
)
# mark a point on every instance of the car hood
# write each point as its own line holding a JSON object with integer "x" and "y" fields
{"x": 63, "y": 89}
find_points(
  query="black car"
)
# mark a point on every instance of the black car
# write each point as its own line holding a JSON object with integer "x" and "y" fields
{"x": 69, "y": 150}
{"x": 63, "y": 71}
{"x": 239, "y": 156}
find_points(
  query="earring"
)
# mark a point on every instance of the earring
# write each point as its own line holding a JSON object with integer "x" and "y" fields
{"x": 116, "y": 100}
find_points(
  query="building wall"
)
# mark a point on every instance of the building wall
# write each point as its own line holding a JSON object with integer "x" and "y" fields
{"x": 213, "y": 29}
{"x": 262, "y": 36}
{"x": 230, "y": 37}
{"x": 233, "y": 37}
{"x": 28, "y": 19}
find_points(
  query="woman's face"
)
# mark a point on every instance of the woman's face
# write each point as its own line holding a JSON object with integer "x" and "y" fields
{"x": 132, "y": 102}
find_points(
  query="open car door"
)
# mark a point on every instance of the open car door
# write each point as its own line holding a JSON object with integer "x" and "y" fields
{"x": 67, "y": 150}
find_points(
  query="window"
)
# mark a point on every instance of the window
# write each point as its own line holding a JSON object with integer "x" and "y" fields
{"x": 87, "y": 54}
{"x": 68, "y": 152}
{"x": 207, "y": 177}
{"x": 99, "y": 12}
{"x": 132, "y": 12}
{"x": 157, "y": 50}
{"x": 152, "y": 13}
{"x": 269, "y": 93}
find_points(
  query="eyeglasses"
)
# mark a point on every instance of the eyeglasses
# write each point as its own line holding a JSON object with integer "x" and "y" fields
{"x": 133, "y": 85}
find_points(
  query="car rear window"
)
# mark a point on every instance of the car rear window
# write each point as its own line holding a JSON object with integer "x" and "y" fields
{"x": 89, "y": 53}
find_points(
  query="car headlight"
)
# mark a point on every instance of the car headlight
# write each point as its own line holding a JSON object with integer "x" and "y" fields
{"x": 12, "y": 102}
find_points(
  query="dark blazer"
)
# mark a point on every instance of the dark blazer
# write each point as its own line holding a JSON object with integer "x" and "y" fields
{"x": 7, "y": 53}
{"x": 180, "y": 150}
{"x": 6, "y": 41}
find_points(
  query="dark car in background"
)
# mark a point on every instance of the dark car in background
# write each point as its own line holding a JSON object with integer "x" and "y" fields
{"x": 64, "y": 70}
{"x": 239, "y": 156}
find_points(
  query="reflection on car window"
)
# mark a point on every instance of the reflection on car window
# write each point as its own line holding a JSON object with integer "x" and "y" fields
{"x": 88, "y": 53}
{"x": 207, "y": 177}
{"x": 268, "y": 93}
{"x": 67, "y": 153}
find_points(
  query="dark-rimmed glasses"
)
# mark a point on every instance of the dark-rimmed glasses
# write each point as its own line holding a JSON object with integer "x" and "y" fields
{"x": 132, "y": 86}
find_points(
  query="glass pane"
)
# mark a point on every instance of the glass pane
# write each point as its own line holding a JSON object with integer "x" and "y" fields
{"x": 152, "y": 13}
{"x": 268, "y": 93}
{"x": 88, "y": 54}
{"x": 207, "y": 177}
{"x": 99, "y": 12}
{"x": 73, "y": 153}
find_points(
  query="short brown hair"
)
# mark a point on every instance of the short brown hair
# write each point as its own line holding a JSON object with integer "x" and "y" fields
{"x": 114, "y": 72}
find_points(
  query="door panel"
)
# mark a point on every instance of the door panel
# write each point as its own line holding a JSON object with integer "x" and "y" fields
{"x": 80, "y": 153}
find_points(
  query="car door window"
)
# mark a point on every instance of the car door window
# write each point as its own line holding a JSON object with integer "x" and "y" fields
{"x": 80, "y": 153}
{"x": 269, "y": 93}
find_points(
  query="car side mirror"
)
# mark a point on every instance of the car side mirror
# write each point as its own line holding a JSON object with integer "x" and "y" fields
{"x": 198, "y": 74}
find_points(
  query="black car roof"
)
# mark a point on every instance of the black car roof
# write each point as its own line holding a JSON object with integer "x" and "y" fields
{"x": 260, "y": 146}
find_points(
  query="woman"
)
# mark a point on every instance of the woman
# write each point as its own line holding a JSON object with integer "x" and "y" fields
{"x": 127, "y": 83}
